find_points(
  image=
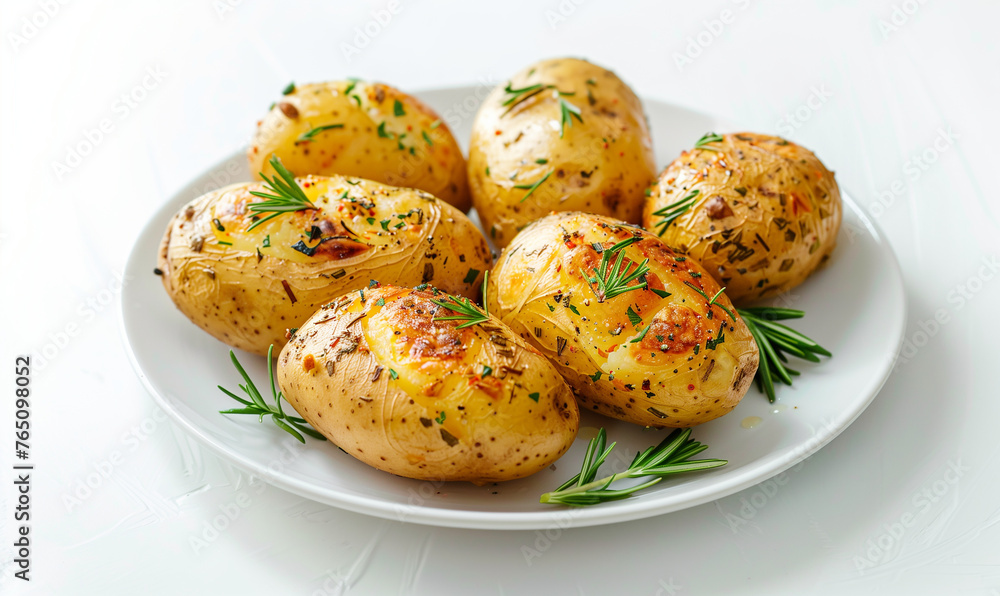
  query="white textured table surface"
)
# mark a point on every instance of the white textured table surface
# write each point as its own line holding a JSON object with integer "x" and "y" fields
{"x": 897, "y": 97}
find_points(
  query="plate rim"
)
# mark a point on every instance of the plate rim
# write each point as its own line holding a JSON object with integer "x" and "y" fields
{"x": 534, "y": 520}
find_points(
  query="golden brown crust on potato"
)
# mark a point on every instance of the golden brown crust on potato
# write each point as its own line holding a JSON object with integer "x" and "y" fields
{"x": 767, "y": 213}
{"x": 601, "y": 162}
{"x": 377, "y": 132}
{"x": 421, "y": 398}
{"x": 247, "y": 287}
{"x": 650, "y": 356}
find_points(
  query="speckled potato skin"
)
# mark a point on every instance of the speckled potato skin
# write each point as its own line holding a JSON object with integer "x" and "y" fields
{"x": 248, "y": 293}
{"x": 671, "y": 376}
{"x": 600, "y": 165}
{"x": 413, "y": 150}
{"x": 412, "y": 396}
{"x": 767, "y": 213}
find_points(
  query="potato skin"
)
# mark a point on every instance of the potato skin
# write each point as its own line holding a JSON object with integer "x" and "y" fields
{"x": 671, "y": 376}
{"x": 413, "y": 150}
{"x": 600, "y": 165}
{"x": 413, "y": 396}
{"x": 767, "y": 213}
{"x": 248, "y": 293}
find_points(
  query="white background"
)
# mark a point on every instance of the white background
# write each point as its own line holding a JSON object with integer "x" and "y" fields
{"x": 898, "y": 97}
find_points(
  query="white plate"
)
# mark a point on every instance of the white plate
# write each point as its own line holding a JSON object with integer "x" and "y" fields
{"x": 855, "y": 307}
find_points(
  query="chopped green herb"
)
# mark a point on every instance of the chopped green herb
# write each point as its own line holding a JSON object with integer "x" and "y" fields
{"x": 308, "y": 136}
{"x": 471, "y": 275}
{"x": 440, "y": 419}
{"x": 641, "y": 335}
{"x": 382, "y": 132}
{"x": 392, "y": 373}
{"x": 660, "y": 293}
{"x": 289, "y": 88}
{"x": 633, "y": 317}
{"x": 267, "y": 241}
{"x": 397, "y": 108}
{"x": 385, "y": 224}
{"x": 487, "y": 371}
{"x": 534, "y": 396}
{"x": 532, "y": 187}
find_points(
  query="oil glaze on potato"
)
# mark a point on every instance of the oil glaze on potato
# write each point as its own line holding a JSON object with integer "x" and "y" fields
{"x": 248, "y": 287}
{"x": 642, "y": 356}
{"x": 376, "y": 132}
{"x": 424, "y": 399}
{"x": 599, "y": 163}
{"x": 766, "y": 216}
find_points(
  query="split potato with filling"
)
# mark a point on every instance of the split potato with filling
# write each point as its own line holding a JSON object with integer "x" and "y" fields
{"x": 392, "y": 381}
{"x": 362, "y": 129}
{"x": 246, "y": 277}
{"x": 641, "y": 332}
{"x": 562, "y": 135}
{"x": 764, "y": 212}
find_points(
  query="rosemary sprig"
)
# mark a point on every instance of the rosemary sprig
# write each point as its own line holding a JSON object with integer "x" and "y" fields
{"x": 708, "y": 137}
{"x": 616, "y": 281}
{"x": 467, "y": 312}
{"x": 671, "y": 456}
{"x": 286, "y": 195}
{"x": 774, "y": 341}
{"x": 290, "y": 424}
{"x": 712, "y": 300}
{"x": 309, "y": 134}
{"x": 675, "y": 210}
{"x": 567, "y": 112}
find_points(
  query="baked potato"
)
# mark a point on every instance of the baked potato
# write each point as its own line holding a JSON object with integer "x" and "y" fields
{"x": 640, "y": 332}
{"x": 561, "y": 135}
{"x": 765, "y": 212}
{"x": 382, "y": 375}
{"x": 247, "y": 286}
{"x": 362, "y": 129}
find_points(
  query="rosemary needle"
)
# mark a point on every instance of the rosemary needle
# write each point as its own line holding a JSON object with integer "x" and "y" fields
{"x": 465, "y": 311}
{"x": 774, "y": 341}
{"x": 670, "y": 456}
{"x": 286, "y": 195}
{"x": 613, "y": 282}
{"x": 293, "y": 425}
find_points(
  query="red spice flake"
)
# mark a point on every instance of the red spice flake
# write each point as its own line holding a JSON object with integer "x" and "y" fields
{"x": 690, "y": 387}
{"x": 498, "y": 133}
{"x": 308, "y": 363}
